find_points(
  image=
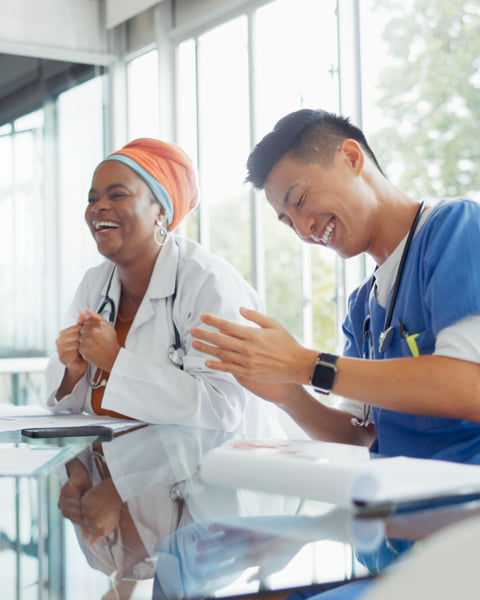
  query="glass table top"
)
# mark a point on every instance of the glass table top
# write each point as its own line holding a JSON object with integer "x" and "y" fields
{"x": 130, "y": 519}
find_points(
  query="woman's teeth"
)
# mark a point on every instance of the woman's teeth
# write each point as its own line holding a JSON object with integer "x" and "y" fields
{"x": 105, "y": 225}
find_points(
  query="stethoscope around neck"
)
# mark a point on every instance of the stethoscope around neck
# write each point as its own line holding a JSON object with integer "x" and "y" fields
{"x": 107, "y": 309}
{"x": 386, "y": 336}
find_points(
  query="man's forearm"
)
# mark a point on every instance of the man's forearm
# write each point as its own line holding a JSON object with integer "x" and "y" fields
{"x": 322, "y": 422}
{"x": 426, "y": 385}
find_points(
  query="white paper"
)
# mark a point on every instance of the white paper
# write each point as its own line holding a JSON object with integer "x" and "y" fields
{"x": 335, "y": 473}
{"x": 303, "y": 468}
{"x": 400, "y": 478}
{"x": 14, "y": 418}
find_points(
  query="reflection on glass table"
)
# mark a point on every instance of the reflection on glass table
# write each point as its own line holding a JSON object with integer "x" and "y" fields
{"x": 259, "y": 554}
{"x": 130, "y": 519}
{"x": 125, "y": 497}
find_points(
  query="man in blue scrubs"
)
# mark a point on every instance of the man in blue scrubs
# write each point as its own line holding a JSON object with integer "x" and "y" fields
{"x": 410, "y": 372}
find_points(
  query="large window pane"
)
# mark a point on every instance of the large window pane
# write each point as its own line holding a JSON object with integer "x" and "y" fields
{"x": 45, "y": 150}
{"x": 224, "y": 141}
{"x": 22, "y": 248}
{"x": 293, "y": 64}
{"x": 7, "y": 275}
{"x": 423, "y": 113}
{"x": 295, "y": 67}
{"x": 80, "y": 139}
{"x": 186, "y": 104}
{"x": 28, "y": 221}
{"x": 48, "y": 156}
{"x": 143, "y": 109}
{"x": 295, "y": 59}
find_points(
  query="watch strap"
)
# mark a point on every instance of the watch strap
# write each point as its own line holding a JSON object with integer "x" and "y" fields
{"x": 324, "y": 372}
{"x": 328, "y": 358}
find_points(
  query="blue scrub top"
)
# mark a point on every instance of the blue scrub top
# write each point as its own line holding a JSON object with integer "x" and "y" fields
{"x": 440, "y": 284}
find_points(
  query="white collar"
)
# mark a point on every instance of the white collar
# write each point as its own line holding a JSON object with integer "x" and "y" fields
{"x": 386, "y": 273}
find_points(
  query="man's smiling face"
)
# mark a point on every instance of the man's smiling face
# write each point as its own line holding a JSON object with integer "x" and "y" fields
{"x": 326, "y": 205}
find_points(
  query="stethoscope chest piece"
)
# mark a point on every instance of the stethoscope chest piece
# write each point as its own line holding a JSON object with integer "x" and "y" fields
{"x": 176, "y": 354}
{"x": 385, "y": 339}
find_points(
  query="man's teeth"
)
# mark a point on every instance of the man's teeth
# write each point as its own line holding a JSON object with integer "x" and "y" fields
{"x": 327, "y": 234}
{"x": 105, "y": 225}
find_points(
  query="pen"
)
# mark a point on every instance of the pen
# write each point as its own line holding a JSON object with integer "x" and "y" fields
{"x": 410, "y": 339}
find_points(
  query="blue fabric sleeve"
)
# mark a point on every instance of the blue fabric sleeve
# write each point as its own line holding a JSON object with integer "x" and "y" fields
{"x": 450, "y": 251}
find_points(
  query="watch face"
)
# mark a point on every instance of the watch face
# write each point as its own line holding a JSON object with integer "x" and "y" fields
{"x": 324, "y": 376}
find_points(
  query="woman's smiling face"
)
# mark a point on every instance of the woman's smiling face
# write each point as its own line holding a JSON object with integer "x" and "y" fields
{"x": 121, "y": 212}
{"x": 326, "y": 205}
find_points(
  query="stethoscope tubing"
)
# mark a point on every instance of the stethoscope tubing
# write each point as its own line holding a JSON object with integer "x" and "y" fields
{"x": 387, "y": 332}
{"x": 386, "y": 335}
{"x": 175, "y": 351}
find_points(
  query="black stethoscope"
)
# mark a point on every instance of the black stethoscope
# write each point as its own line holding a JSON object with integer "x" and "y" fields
{"x": 107, "y": 309}
{"x": 386, "y": 336}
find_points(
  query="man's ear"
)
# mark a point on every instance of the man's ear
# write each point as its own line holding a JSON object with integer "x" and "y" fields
{"x": 353, "y": 154}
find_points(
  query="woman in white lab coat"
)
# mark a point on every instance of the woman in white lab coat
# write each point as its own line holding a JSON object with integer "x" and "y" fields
{"x": 126, "y": 348}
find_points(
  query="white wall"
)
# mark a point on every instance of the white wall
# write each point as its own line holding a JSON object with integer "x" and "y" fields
{"x": 118, "y": 11}
{"x": 192, "y": 15}
{"x": 56, "y": 29}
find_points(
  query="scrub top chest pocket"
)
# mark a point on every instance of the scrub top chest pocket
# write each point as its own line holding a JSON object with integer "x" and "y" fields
{"x": 415, "y": 343}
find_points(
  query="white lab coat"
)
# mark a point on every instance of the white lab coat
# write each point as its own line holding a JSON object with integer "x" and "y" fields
{"x": 143, "y": 383}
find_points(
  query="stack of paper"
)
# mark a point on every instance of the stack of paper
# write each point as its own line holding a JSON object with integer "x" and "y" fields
{"x": 15, "y": 418}
{"x": 335, "y": 473}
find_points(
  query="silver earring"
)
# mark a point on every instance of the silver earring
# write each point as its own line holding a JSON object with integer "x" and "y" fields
{"x": 159, "y": 233}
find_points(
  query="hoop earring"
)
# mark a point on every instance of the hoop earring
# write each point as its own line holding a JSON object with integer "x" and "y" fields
{"x": 159, "y": 233}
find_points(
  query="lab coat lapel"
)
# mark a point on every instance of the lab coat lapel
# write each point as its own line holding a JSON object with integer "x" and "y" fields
{"x": 162, "y": 282}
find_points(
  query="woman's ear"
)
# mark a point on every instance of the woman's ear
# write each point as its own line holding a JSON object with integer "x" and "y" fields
{"x": 160, "y": 212}
{"x": 162, "y": 218}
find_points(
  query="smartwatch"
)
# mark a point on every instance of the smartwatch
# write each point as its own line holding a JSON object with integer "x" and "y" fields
{"x": 324, "y": 373}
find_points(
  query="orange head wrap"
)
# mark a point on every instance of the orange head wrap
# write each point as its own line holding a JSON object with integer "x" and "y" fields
{"x": 167, "y": 170}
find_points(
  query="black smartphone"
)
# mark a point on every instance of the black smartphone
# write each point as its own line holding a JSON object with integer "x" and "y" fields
{"x": 98, "y": 431}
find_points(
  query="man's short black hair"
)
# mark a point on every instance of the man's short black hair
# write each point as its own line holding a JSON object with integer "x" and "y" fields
{"x": 309, "y": 136}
